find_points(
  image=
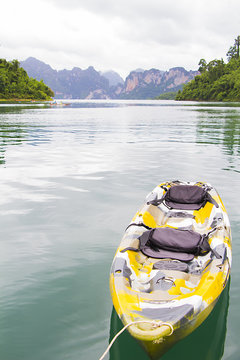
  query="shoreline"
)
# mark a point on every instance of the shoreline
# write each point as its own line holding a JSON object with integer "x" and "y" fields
{"x": 24, "y": 101}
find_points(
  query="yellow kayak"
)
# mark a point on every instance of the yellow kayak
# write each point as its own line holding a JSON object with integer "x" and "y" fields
{"x": 172, "y": 264}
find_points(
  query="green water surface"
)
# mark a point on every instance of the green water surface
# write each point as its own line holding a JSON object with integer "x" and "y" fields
{"x": 71, "y": 178}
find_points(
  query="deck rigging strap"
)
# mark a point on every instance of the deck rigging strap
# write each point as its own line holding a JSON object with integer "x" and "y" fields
{"x": 138, "y": 224}
{"x": 154, "y": 323}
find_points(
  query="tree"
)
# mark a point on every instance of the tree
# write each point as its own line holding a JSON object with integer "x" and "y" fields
{"x": 218, "y": 81}
{"x": 233, "y": 52}
{"x": 15, "y": 83}
{"x": 215, "y": 69}
{"x": 202, "y": 65}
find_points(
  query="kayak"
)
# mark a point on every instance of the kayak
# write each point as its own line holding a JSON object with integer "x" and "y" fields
{"x": 172, "y": 264}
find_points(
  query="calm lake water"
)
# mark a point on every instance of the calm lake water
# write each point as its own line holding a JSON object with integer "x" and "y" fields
{"x": 71, "y": 178}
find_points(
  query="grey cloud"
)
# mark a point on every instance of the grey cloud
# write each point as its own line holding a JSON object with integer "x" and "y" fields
{"x": 125, "y": 34}
{"x": 152, "y": 9}
{"x": 155, "y": 21}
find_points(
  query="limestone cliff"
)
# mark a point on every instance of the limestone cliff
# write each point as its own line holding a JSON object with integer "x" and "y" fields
{"x": 91, "y": 84}
{"x": 153, "y": 82}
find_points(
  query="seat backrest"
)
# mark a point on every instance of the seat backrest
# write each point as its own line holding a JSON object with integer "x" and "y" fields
{"x": 186, "y": 197}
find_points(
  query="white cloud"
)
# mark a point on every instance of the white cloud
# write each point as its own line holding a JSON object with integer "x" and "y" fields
{"x": 119, "y": 35}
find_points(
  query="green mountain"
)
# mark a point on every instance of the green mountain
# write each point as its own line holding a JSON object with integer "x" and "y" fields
{"x": 218, "y": 81}
{"x": 16, "y": 84}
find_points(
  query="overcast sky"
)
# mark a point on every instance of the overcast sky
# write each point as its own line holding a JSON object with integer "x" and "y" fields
{"x": 121, "y": 35}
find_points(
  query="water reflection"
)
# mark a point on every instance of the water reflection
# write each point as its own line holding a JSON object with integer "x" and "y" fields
{"x": 220, "y": 127}
{"x": 14, "y": 130}
{"x": 231, "y": 140}
{"x": 10, "y": 134}
{"x": 206, "y": 342}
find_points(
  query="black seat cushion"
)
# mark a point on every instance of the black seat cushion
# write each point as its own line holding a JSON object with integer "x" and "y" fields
{"x": 167, "y": 242}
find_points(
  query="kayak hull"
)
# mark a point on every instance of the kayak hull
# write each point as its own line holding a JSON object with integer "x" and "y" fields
{"x": 156, "y": 349}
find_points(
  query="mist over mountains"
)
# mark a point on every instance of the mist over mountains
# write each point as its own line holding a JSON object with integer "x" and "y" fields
{"x": 92, "y": 84}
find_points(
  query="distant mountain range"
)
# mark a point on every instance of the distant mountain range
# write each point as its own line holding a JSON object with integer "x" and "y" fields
{"x": 91, "y": 84}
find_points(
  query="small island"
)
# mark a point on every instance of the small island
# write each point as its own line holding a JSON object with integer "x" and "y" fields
{"x": 167, "y": 96}
{"x": 15, "y": 84}
{"x": 218, "y": 81}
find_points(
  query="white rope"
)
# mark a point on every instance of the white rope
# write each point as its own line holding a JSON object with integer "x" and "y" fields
{"x": 154, "y": 323}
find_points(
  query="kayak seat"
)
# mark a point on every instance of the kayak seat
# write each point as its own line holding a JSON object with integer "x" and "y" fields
{"x": 170, "y": 243}
{"x": 184, "y": 197}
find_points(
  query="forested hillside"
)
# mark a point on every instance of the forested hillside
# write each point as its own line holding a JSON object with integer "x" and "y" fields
{"x": 16, "y": 84}
{"x": 219, "y": 81}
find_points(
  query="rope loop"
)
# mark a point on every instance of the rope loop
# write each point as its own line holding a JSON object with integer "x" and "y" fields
{"x": 168, "y": 324}
{"x": 155, "y": 324}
